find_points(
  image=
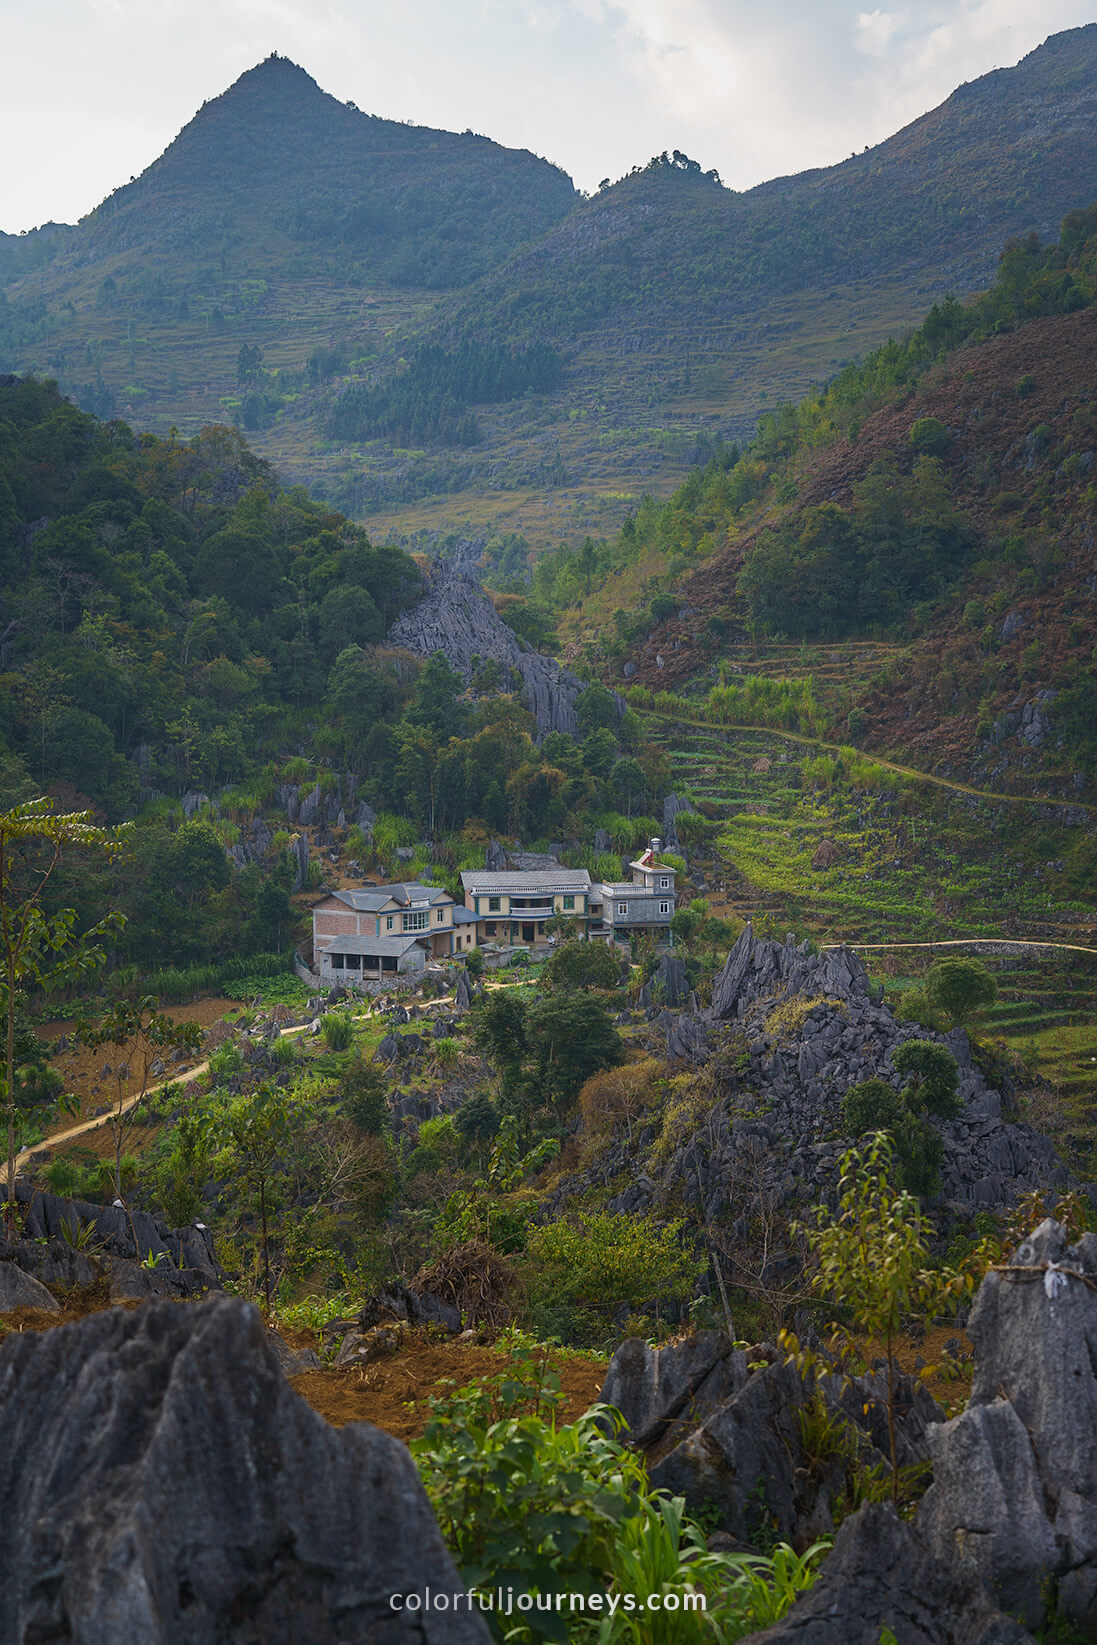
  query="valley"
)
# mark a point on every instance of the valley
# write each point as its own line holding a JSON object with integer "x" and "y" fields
{"x": 547, "y": 846}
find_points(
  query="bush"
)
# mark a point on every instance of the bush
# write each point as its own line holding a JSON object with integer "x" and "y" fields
{"x": 338, "y": 1030}
{"x": 870, "y": 1106}
{"x": 930, "y": 436}
{"x": 960, "y": 988}
{"x": 580, "y": 964}
{"x": 935, "y": 1077}
{"x": 550, "y": 1509}
{"x": 362, "y": 1088}
{"x": 585, "y": 1268}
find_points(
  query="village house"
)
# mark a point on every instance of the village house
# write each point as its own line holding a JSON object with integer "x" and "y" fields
{"x": 376, "y": 933}
{"x": 512, "y": 907}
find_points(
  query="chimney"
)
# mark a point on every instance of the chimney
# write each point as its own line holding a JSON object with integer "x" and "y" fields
{"x": 656, "y": 846}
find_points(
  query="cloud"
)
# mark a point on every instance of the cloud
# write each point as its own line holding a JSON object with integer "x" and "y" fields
{"x": 875, "y": 30}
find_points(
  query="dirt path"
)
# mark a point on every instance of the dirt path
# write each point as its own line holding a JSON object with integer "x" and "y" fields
{"x": 888, "y": 765}
{"x": 999, "y": 945}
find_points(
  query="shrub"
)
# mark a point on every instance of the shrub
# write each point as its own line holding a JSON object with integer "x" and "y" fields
{"x": 583, "y": 1269}
{"x": 930, "y": 436}
{"x": 621, "y": 1095}
{"x": 870, "y": 1106}
{"x": 362, "y": 1087}
{"x": 338, "y": 1030}
{"x": 579, "y": 964}
{"x": 935, "y": 1077}
{"x": 960, "y": 988}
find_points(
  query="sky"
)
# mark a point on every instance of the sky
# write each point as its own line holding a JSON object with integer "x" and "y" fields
{"x": 94, "y": 90}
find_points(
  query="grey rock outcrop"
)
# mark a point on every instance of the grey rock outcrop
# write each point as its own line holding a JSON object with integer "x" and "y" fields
{"x": 21, "y": 1290}
{"x": 1015, "y": 1476}
{"x": 880, "y": 1574}
{"x": 669, "y": 982}
{"x": 174, "y": 1490}
{"x": 457, "y": 618}
{"x": 117, "y": 1233}
{"x": 655, "y": 1388}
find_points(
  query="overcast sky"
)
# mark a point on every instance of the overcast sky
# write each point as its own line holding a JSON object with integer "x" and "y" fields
{"x": 94, "y": 90}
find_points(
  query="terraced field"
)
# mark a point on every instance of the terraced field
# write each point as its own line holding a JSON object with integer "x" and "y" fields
{"x": 894, "y": 863}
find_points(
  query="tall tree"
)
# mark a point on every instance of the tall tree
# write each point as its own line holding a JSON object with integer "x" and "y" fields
{"x": 41, "y": 949}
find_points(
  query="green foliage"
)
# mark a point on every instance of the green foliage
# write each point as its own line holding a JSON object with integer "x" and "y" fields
{"x": 580, "y": 964}
{"x": 541, "y": 1509}
{"x": 362, "y": 1088}
{"x": 960, "y": 988}
{"x": 427, "y": 401}
{"x": 337, "y": 1029}
{"x": 930, "y": 436}
{"x": 580, "y": 1270}
{"x": 935, "y": 1077}
{"x": 871, "y": 1106}
{"x": 873, "y": 1257}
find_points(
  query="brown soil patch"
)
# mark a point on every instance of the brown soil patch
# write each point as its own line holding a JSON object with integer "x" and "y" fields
{"x": 394, "y": 1393}
{"x": 952, "y": 1392}
{"x": 82, "y": 1070}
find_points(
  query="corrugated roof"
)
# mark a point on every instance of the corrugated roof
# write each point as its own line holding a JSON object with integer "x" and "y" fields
{"x": 545, "y": 879}
{"x": 371, "y": 947}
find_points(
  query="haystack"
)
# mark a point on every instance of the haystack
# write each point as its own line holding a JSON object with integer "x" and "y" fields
{"x": 475, "y": 1279}
{"x": 761, "y": 766}
{"x": 826, "y": 855}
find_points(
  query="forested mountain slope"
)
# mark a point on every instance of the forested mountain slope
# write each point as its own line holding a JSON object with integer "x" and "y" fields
{"x": 938, "y": 499}
{"x": 310, "y": 272}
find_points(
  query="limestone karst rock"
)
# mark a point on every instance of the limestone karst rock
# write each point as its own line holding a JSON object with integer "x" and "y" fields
{"x": 172, "y": 1489}
{"x": 456, "y": 618}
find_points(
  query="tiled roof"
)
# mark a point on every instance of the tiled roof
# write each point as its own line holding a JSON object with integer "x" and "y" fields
{"x": 543, "y": 880}
{"x": 371, "y": 947}
{"x": 370, "y": 898}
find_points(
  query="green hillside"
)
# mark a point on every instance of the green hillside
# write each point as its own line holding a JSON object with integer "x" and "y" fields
{"x": 288, "y": 252}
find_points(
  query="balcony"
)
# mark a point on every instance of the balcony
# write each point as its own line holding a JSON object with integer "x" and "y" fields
{"x": 529, "y": 913}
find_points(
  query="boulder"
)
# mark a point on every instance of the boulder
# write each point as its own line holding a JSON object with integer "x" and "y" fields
{"x": 653, "y": 1388}
{"x": 20, "y": 1290}
{"x": 292, "y": 1362}
{"x": 174, "y": 1490}
{"x": 880, "y": 1574}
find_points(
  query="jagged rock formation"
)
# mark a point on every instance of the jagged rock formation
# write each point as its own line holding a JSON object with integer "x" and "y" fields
{"x": 714, "y": 1426}
{"x": 1011, "y": 1517}
{"x": 173, "y": 1490}
{"x": 1015, "y": 1476}
{"x": 880, "y": 1574}
{"x": 127, "y": 1235}
{"x": 456, "y": 618}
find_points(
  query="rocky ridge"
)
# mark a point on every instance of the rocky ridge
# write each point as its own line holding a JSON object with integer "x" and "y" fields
{"x": 457, "y": 618}
{"x": 787, "y": 1033}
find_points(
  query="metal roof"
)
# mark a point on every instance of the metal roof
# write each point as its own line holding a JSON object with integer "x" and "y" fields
{"x": 537, "y": 879}
{"x": 370, "y": 947}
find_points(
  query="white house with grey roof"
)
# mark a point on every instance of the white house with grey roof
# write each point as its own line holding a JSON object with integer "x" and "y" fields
{"x": 376, "y": 933}
{"x": 511, "y": 908}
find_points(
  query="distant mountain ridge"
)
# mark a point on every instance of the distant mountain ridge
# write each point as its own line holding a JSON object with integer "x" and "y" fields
{"x": 330, "y": 245}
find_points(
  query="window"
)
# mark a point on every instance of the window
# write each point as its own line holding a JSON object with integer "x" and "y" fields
{"x": 388, "y": 922}
{"x": 440, "y": 915}
{"x": 417, "y": 920}
{"x": 664, "y": 885}
{"x": 622, "y": 910}
{"x": 569, "y": 902}
{"x": 337, "y": 962}
{"x": 460, "y": 941}
{"x": 489, "y": 928}
{"x": 494, "y": 905}
{"x": 664, "y": 908}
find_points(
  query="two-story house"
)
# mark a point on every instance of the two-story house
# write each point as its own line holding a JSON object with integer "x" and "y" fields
{"x": 624, "y": 908}
{"x": 378, "y": 932}
{"x": 511, "y": 908}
